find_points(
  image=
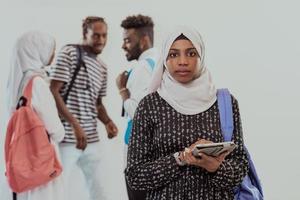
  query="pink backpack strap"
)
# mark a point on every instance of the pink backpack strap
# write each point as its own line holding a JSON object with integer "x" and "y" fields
{"x": 28, "y": 91}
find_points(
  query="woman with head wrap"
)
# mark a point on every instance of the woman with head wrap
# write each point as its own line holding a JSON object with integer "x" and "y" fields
{"x": 182, "y": 111}
{"x": 34, "y": 51}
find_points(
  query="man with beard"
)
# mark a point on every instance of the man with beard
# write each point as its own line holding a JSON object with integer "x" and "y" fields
{"x": 133, "y": 84}
{"x": 78, "y": 83}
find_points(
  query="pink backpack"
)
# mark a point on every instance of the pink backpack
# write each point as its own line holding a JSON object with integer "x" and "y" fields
{"x": 30, "y": 158}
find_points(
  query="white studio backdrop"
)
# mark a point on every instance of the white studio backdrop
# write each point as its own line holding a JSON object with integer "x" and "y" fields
{"x": 253, "y": 48}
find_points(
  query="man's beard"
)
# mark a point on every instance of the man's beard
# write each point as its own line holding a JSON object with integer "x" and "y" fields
{"x": 134, "y": 53}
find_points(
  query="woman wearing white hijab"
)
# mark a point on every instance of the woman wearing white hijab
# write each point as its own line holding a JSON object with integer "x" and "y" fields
{"x": 181, "y": 112}
{"x": 32, "y": 52}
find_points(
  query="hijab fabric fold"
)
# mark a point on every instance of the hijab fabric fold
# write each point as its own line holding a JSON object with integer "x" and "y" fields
{"x": 31, "y": 53}
{"x": 191, "y": 98}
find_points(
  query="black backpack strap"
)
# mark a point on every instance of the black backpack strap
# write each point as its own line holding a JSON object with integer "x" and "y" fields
{"x": 14, "y": 196}
{"x": 78, "y": 65}
{"x": 22, "y": 102}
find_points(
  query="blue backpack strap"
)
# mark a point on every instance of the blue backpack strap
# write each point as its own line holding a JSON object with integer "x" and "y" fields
{"x": 128, "y": 131}
{"x": 129, "y": 72}
{"x": 151, "y": 63}
{"x": 250, "y": 188}
{"x": 226, "y": 114}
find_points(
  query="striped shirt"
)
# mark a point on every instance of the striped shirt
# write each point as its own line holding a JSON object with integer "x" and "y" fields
{"x": 89, "y": 85}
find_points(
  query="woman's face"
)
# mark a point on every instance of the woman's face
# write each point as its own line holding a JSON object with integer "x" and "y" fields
{"x": 182, "y": 61}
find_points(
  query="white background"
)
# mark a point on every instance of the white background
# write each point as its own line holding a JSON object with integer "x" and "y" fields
{"x": 253, "y": 48}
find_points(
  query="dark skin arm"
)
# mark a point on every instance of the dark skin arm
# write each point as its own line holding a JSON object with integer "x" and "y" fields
{"x": 81, "y": 141}
{"x": 110, "y": 126}
{"x": 121, "y": 82}
{"x": 210, "y": 163}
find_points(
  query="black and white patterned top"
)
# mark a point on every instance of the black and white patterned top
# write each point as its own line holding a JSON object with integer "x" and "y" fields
{"x": 159, "y": 131}
{"x": 90, "y": 84}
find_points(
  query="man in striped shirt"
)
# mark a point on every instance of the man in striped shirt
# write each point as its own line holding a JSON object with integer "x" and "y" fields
{"x": 79, "y": 103}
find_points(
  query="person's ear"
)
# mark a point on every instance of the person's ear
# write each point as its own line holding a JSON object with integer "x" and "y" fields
{"x": 144, "y": 42}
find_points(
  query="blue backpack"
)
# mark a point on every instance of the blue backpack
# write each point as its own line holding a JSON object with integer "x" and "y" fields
{"x": 127, "y": 134}
{"x": 250, "y": 188}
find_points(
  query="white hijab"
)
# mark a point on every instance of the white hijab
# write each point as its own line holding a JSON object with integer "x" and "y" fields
{"x": 31, "y": 52}
{"x": 191, "y": 98}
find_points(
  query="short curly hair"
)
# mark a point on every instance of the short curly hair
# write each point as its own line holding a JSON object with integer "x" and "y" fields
{"x": 88, "y": 21}
{"x": 143, "y": 24}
